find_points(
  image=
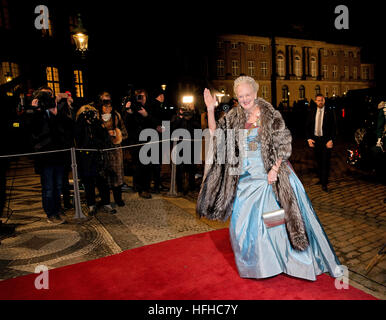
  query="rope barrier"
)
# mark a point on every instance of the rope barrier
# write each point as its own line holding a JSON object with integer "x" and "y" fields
{"x": 94, "y": 150}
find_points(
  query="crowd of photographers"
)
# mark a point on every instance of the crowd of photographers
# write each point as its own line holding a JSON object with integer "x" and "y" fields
{"x": 54, "y": 122}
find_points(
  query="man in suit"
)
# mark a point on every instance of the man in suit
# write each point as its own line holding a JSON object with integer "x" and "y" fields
{"x": 321, "y": 132}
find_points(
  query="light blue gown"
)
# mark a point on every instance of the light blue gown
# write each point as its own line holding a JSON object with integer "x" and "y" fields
{"x": 262, "y": 252}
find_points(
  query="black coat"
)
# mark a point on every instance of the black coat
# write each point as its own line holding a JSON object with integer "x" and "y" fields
{"x": 51, "y": 132}
{"x": 329, "y": 125}
{"x": 135, "y": 123}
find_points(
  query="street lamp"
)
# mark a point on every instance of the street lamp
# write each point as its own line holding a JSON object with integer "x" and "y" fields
{"x": 8, "y": 77}
{"x": 187, "y": 99}
{"x": 163, "y": 86}
{"x": 80, "y": 37}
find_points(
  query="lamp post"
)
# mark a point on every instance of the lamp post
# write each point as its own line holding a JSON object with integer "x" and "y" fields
{"x": 80, "y": 37}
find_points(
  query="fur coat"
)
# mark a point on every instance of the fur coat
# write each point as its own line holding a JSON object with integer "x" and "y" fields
{"x": 219, "y": 184}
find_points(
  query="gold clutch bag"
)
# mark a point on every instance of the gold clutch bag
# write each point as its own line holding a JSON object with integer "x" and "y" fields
{"x": 274, "y": 218}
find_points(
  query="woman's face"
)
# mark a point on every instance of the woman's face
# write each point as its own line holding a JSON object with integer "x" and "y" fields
{"x": 106, "y": 108}
{"x": 246, "y": 96}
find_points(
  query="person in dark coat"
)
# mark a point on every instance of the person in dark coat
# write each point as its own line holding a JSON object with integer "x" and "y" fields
{"x": 93, "y": 166}
{"x": 50, "y": 130}
{"x": 321, "y": 133}
{"x": 186, "y": 118}
{"x": 137, "y": 117}
{"x": 160, "y": 112}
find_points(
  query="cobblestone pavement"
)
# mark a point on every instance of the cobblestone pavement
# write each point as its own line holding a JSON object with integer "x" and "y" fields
{"x": 352, "y": 214}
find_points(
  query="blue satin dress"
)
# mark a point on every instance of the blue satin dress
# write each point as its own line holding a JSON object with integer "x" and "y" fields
{"x": 262, "y": 252}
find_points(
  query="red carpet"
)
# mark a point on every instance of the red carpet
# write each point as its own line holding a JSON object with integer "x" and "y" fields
{"x": 198, "y": 267}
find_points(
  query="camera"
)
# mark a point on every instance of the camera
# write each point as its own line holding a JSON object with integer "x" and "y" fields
{"x": 45, "y": 100}
{"x": 134, "y": 99}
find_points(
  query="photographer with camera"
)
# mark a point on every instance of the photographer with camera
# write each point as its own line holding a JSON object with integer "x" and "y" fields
{"x": 186, "y": 118}
{"x": 93, "y": 166}
{"x": 51, "y": 129}
{"x": 137, "y": 117}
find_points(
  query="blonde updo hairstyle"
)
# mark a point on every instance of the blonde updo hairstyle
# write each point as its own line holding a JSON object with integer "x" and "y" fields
{"x": 245, "y": 79}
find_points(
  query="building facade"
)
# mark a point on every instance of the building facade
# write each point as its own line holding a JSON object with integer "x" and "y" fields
{"x": 31, "y": 57}
{"x": 303, "y": 68}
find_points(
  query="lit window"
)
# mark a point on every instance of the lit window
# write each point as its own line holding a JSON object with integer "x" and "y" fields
{"x": 298, "y": 69}
{"x": 280, "y": 66}
{"x": 234, "y": 45}
{"x": 263, "y": 48}
{"x": 47, "y": 32}
{"x": 264, "y": 68}
{"x": 313, "y": 67}
{"x": 264, "y": 92}
{"x": 251, "y": 68}
{"x": 325, "y": 71}
{"x": 365, "y": 73}
{"x": 251, "y": 47}
{"x": 53, "y": 79}
{"x": 220, "y": 68}
{"x": 317, "y": 89}
{"x": 334, "y": 71}
{"x": 235, "y": 67}
{"x": 9, "y": 71}
{"x": 355, "y": 73}
{"x": 78, "y": 80}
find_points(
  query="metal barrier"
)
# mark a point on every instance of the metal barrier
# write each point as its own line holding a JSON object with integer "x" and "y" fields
{"x": 77, "y": 203}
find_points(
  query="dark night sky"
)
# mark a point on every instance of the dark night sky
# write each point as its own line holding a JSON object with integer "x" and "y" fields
{"x": 138, "y": 41}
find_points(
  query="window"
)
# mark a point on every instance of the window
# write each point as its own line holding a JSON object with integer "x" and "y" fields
{"x": 4, "y": 15}
{"x": 302, "y": 92}
{"x": 355, "y": 54}
{"x": 334, "y": 71}
{"x": 325, "y": 52}
{"x": 47, "y": 32}
{"x": 346, "y": 90}
{"x": 251, "y": 68}
{"x": 326, "y": 91}
{"x": 334, "y": 53}
{"x": 345, "y": 53}
{"x": 280, "y": 66}
{"x": 313, "y": 67}
{"x": 298, "y": 68}
{"x": 251, "y": 47}
{"x": 264, "y": 92}
{"x": 335, "y": 91}
{"x": 220, "y": 68}
{"x": 325, "y": 71}
{"x": 346, "y": 72}
{"x": 234, "y": 45}
{"x": 53, "y": 79}
{"x": 9, "y": 71}
{"x": 235, "y": 68}
{"x": 263, "y": 48}
{"x": 365, "y": 73}
{"x": 78, "y": 81}
{"x": 220, "y": 44}
{"x": 285, "y": 93}
{"x": 355, "y": 73}
{"x": 264, "y": 68}
{"x": 317, "y": 89}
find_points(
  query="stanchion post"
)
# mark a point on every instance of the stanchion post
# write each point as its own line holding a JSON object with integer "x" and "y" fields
{"x": 173, "y": 192}
{"x": 78, "y": 209}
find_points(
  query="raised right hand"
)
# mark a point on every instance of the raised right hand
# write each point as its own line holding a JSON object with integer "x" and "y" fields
{"x": 311, "y": 143}
{"x": 210, "y": 101}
